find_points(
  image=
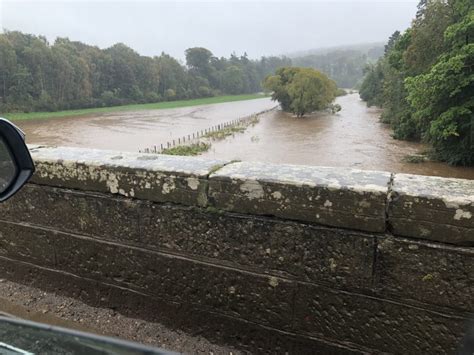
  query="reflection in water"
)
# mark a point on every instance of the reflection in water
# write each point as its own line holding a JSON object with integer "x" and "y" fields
{"x": 353, "y": 138}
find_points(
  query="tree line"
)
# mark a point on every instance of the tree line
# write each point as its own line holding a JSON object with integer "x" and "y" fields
{"x": 38, "y": 76}
{"x": 425, "y": 80}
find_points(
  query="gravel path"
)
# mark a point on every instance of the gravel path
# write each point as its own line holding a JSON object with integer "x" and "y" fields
{"x": 33, "y": 304}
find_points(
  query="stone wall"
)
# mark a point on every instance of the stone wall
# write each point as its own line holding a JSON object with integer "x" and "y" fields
{"x": 267, "y": 258}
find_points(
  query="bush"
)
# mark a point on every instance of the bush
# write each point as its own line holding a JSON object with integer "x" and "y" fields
{"x": 193, "y": 149}
{"x": 152, "y": 97}
{"x": 335, "y": 108}
{"x": 204, "y": 91}
{"x": 170, "y": 94}
{"x": 45, "y": 103}
{"x": 341, "y": 92}
{"x": 108, "y": 98}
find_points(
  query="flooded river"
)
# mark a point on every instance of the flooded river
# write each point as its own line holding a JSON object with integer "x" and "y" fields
{"x": 135, "y": 130}
{"x": 353, "y": 138}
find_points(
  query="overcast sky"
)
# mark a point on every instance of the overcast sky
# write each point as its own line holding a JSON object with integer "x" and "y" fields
{"x": 257, "y": 27}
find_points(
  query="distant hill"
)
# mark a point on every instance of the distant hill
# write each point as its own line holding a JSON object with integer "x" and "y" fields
{"x": 344, "y": 64}
{"x": 362, "y": 47}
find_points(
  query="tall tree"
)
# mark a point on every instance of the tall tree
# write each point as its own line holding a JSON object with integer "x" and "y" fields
{"x": 301, "y": 90}
{"x": 426, "y": 80}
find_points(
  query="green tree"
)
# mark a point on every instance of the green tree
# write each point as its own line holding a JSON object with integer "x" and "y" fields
{"x": 199, "y": 59}
{"x": 301, "y": 90}
{"x": 232, "y": 80}
{"x": 371, "y": 89}
{"x": 427, "y": 35}
{"x": 7, "y": 66}
{"x": 443, "y": 98}
{"x": 425, "y": 81}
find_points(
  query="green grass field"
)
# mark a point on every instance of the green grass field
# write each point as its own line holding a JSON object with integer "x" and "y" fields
{"x": 134, "y": 107}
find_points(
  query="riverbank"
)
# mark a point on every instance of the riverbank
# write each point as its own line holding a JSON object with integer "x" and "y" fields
{"x": 21, "y": 116}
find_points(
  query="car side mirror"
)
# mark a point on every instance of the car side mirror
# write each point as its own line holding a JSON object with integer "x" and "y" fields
{"x": 16, "y": 165}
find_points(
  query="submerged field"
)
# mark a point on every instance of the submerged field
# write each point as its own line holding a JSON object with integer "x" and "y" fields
{"x": 139, "y": 129}
{"x": 135, "y": 107}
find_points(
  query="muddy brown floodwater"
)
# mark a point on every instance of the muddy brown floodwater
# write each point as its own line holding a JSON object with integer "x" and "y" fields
{"x": 135, "y": 130}
{"x": 353, "y": 138}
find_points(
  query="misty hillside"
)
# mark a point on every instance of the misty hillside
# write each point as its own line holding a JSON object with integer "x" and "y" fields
{"x": 344, "y": 64}
{"x": 362, "y": 47}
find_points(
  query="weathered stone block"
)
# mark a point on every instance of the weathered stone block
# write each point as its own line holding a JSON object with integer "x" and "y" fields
{"x": 151, "y": 177}
{"x": 434, "y": 208}
{"x": 85, "y": 213}
{"x": 37, "y": 247}
{"x": 389, "y": 327}
{"x": 437, "y": 274}
{"x": 218, "y": 328}
{"x": 266, "y": 300}
{"x": 289, "y": 249}
{"x": 337, "y": 197}
{"x": 294, "y": 250}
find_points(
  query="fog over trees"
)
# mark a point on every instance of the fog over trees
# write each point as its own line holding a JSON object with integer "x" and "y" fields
{"x": 344, "y": 65}
{"x": 258, "y": 27}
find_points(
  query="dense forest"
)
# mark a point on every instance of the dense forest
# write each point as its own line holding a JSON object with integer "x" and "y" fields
{"x": 425, "y": 80}
{"x": 344, "y": 65}
{"x": 38, "y": 76}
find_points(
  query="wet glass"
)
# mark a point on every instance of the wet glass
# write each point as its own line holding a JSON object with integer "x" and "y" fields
{"x": 7, "y": 167}
{"x": 19, "y": 337}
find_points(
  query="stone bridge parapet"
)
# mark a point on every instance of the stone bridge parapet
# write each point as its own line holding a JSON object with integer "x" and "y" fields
{"x": 267, "y": 258}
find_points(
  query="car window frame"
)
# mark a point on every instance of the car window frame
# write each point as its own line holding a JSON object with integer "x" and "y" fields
{"x": 14, "y": 139}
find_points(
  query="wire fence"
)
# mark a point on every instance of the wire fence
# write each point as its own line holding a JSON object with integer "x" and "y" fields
{"x": 197, "y": 136}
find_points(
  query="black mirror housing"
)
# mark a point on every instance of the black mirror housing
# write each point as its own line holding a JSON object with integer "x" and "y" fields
{"x": 13, "y": 140}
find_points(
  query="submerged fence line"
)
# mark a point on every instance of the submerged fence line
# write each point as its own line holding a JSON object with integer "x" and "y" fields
{"x": 195, "y": 137}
